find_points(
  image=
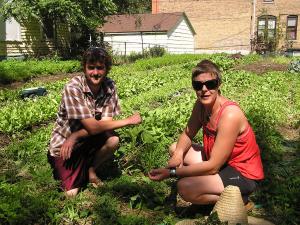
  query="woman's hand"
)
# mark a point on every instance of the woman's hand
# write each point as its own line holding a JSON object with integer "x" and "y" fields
{"x": 176, "y": 160}
{"x": 159, "y": 174}
{"x": 67, "y": 147}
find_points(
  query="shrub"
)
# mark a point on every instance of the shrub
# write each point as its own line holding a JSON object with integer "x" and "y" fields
{"x": 294, "y": 66}
{"x": 157, "y": 51}
{"x": 135, "y": 56}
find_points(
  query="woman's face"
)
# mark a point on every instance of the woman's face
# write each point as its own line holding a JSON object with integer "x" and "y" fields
{"x": 206, "y": 86}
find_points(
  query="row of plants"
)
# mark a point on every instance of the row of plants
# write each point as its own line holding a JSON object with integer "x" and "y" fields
{"x": 19, "y": 114}
{"x": 16, "y": 70}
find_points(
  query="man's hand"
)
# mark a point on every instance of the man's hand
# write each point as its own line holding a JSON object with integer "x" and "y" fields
{"x": 159, "y": 174}
{"x": 176, "y": 160}
{"x": 67, "y": 147}
{"x": 134, "y": 119}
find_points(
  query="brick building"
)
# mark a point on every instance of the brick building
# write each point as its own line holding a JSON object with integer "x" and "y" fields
{"x": 230, "y": 25}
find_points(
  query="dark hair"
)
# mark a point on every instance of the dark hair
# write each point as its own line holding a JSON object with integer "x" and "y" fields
{"x": 207, "y": 66}
{"x": 97, "y": 54}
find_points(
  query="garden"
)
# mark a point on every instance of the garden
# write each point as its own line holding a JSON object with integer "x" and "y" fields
{"x": 267, "y": 89}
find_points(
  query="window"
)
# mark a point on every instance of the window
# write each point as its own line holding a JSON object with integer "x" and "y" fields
{"x": 10, "y": 30}
{"x": 291, "y": 29}
{"x": 266, "y": 27}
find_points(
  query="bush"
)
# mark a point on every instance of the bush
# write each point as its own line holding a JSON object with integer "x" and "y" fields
{"x": 157, "y": 51}
{"x": 137, "y": 55}
{"x": 294, "y": 66}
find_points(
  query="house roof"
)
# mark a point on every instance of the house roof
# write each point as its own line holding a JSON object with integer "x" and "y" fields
{"x": 161, "y": 22}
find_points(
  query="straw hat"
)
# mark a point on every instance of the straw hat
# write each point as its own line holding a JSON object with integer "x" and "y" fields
{"x": 187, "y": 222}
{"x": 230, "y": 206}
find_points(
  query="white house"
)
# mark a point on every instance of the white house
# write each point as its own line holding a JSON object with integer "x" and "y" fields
{"x": 135, "y": 33}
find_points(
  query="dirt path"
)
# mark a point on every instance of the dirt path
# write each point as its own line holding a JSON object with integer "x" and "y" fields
{"x": 43, "y": 79}
{"x": 262, "y": 66}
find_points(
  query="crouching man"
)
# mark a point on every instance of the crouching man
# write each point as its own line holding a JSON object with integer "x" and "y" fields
{"x": 83, "y": 136}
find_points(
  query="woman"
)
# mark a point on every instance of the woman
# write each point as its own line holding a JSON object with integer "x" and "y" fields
{"x": 230, "y": 154}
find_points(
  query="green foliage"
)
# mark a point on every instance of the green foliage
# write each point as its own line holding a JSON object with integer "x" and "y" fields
{"x": 108, "y": 212}
{"x": 85, "y": 13}
{"x": 294, "y": 66}
{"x": 20, "y": 204}
{"x": 15, "y": 70}
{"x": 281, "y": 59}
{"x": 213, "y": 219}
{"x": 134, "y": 56}
{"x": 157, "y": 51}
{"x": 133, "y": 6}
{"x": 251, "y": 58}
{"x": 160, "y": 89}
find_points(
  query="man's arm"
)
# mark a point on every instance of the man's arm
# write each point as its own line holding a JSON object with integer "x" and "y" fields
{"x": 97, "y": 126}
{"x": 93, "y": 126}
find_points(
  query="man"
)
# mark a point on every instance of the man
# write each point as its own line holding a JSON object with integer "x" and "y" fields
{"x": 83, "y": 136}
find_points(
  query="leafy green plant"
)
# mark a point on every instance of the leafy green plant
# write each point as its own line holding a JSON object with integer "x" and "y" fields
{"x": 157, "y": 51}
{"x": 16, "y": 70}
{"x": 294, "y": 66}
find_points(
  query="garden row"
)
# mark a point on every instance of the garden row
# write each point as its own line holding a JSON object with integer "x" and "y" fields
{"x": 164, "y": 98}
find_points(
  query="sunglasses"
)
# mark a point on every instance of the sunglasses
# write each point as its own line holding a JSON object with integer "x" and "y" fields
{"x": 210, "y": 84}
{"x": 95, "y": 67}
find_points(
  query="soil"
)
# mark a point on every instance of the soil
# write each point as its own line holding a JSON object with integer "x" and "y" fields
{"x": 262, "y": 67}
{"x": 4, "y": 140}
{"x": 43, "y": 79}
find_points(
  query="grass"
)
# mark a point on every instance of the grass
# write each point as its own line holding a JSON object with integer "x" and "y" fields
{"x": 29, "y": 195}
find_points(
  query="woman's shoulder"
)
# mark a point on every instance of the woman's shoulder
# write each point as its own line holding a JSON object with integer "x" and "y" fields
{"x": 233, "y": 114}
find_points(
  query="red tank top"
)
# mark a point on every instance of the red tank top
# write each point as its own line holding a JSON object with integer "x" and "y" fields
{"x": 245, "y": 155}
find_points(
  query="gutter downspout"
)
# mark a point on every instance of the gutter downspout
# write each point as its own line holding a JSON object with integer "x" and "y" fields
{"x": 253, "y": 24}
{"x": 155, "y": 6}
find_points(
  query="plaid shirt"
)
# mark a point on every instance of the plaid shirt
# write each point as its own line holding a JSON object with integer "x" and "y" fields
{"x": 78, "y": 102}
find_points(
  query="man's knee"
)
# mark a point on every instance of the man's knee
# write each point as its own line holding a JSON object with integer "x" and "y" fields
{"x": 172, "y": 148}
{"x": 112, "y": 142}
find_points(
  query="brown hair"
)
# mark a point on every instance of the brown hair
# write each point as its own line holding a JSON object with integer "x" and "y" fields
{"x": 97, "y": 54}
{"x": 207, "y": 66}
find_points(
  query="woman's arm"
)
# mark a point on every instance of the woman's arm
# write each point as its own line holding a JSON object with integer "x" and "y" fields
{"x": 184, "y": 142}
{"x": 229, "y": 127}
{"x": 227, "y": 132}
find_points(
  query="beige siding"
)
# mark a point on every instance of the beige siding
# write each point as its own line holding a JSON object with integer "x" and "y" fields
{"x": 34, "y": 43}
{"x": 226, "y": 25}
{"x": 219, "y": 25}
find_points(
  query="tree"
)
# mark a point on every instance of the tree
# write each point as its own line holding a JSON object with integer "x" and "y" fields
{"x": 83, "y": 16}
{"x": 87, "y": 13}
{"x": 133, "y": 6}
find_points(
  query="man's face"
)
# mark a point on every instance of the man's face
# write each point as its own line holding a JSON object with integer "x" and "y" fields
{"x": 95, "y": 73}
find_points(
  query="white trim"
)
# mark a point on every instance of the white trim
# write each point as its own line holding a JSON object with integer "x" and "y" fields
{"x": 206, "y": 51}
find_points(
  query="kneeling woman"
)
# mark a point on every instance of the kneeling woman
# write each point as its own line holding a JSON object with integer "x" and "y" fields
{"x": 230, "y": 154}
